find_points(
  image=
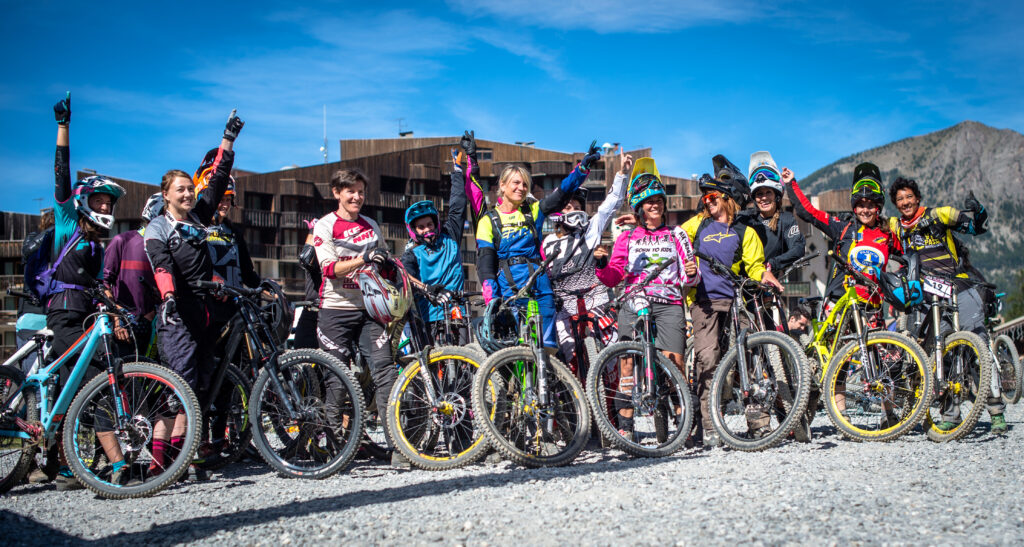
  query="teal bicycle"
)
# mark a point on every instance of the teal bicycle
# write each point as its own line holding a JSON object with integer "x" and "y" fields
{"x": 527, "y": 403}
{"x": 115, "y": 417}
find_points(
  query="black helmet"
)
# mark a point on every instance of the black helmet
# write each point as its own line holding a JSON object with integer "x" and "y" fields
{"x": 728, "y": 173}
{"x": 867, "y": 184}
{"x": 499, "y": 328}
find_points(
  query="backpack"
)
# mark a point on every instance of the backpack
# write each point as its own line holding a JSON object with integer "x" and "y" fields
{"x": 39, "y": 271}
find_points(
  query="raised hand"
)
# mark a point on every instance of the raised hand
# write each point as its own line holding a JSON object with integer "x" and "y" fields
{"x": 233, "y": 127}
{"x": 468, "y": 144}
{"x": 591, "y": 157}
{"x": 62, "y": 110}
{"x": 787, "y": 175}
{"x": 627, "y": 165}
{"x": 972, "y": 204}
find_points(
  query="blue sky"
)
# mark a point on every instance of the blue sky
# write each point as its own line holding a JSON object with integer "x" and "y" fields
{"x": 152, "y": 83}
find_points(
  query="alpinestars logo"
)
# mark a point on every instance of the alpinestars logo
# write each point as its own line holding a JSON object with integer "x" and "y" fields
{"x": 717, "y": 238}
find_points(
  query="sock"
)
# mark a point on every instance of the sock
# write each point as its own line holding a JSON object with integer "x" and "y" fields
{"x": 159, "y": 462}
{"x": 116, "y": 465}
{"x": 66, "y": 471}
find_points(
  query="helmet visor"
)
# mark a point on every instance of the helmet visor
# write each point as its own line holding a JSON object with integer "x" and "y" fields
{"x": 866, "y": 185}
{"x": 763, "y": 174}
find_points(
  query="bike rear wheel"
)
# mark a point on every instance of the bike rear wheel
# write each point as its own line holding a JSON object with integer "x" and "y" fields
{"x": 780, "y": 388}
{"x": 967, "y": 364}
{"x": 441, "y": 436}
{"x": 661, "y": 421}
{"x": 324, "y": 438}
{"x": 1009, "y": 367}
{"x": 517, "y": 423}
{"x": 885, "y": 407}
{"x": 153, "y": 398}
{"x": 16, "y": 453}
{"x": 227, "y": 433}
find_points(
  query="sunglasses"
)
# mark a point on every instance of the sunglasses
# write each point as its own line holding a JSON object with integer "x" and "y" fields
{"x": 762, "y": 175}
{"x": 870, "y": 184}
{"x": 712, "y": 196}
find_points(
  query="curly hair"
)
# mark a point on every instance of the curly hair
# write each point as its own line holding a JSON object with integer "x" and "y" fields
{"x": 904, "y": 184}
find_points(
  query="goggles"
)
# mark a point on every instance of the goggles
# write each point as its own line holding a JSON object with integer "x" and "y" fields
{"x": 644, "y": 182}
{"x": 871, "y": 185}
{"x": 762, "y": 175}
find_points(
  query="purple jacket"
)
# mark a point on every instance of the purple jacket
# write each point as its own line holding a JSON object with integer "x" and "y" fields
{"x": 128, "y": 273}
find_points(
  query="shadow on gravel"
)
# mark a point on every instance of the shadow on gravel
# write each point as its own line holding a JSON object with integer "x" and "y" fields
{"x": 19, "y": 530}
{"x": 194, "y": 529}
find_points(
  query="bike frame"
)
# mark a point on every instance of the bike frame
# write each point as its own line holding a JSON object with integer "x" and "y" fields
{"x": 86, "y": 346}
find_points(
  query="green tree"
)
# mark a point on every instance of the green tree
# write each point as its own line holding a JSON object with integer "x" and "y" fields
{"x": 1015, "y": 297}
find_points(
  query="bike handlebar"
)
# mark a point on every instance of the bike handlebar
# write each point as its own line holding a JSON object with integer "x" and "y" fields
{"x": 737, "y": 280}
{"x": 800, "y": 263}
{"x": 218, "y": 287}
{"x": 524, "y": 292}
{"x": 27, "y": 296}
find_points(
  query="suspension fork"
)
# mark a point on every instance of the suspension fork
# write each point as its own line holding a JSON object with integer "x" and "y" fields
{"x": 113, "y": 380}
{"x": 866, "y": 359}
{"x": 740, "y": 340}
{"x": 650, "y": 356}
{"x": 936, "y": 313}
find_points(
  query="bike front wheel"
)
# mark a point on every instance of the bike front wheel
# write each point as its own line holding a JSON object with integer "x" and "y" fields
{"x": 154, "y": 401}
{"x": 883, "y": 406}
{"x": 967, "y": 367}
{"x": 763, "y": 415}
{"x": 16, "y": 452}
{"x": 526, "y": 425}
{"x": 441, "y": 435}
{"x": 657, "y": 407}
{"x": 322, "y": 436}
{"x": 1009, "y": 367}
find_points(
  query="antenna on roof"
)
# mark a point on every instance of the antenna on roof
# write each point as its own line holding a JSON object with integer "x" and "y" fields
{"x": 323, "y": 149}
{"x": 400, "y": 132}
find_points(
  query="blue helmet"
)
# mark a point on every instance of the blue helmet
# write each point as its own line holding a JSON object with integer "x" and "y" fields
{"x": 418, "y": 210}
{"x": 645, "y": 186}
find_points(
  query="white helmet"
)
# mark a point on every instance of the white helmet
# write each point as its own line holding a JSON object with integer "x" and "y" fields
{"x": 96, "y": 185}
{"x": 386, "y": 292}
{"x": 763, "y": 173}
{"x": 573, "y": 220}
{"x": 153, "y": 206}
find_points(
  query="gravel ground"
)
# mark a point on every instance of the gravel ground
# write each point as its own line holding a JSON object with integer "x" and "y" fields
{"x": 832, "y": 490}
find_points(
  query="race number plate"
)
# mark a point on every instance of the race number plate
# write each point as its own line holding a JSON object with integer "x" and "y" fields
{"x": 938, "y": 287}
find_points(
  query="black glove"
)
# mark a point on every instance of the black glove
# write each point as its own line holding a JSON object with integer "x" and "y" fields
{"x": 377, "y": 255}
{"x": 233, "y": 127}
{"x": 972, "y": 204}
{"x": 169, "y": 313}
{"x": 62, "y": 110}
{"x": 439, "y": 293}
{"x": 591, "y": 158}
{"x": 468, "y": 143}
{"x": 601, "y": 262}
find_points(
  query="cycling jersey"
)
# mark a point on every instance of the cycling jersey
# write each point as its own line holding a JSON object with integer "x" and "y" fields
{"x": 573, "y": 271}
{"x": 337, "y": 240}
{"x": 782, "y": 246}
{"x": 440, "y": 262}
{"x": 867, "y": 249}
{"x": 737, "y": 245}
{"x": 83, "y": 264}
{"x": 930, "y": 233}
{"x": 230, "y": 255}
{"x": 639, "y": 251}
{"x": 128, "y": 274}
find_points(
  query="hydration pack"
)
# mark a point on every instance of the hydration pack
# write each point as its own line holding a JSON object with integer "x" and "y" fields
{"x": 39, "y": 271}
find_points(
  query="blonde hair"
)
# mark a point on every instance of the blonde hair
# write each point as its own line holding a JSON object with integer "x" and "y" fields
{"x": 510, "y": 170}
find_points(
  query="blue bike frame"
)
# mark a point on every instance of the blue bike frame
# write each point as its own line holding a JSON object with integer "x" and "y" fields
{"x": 85, "y": 346}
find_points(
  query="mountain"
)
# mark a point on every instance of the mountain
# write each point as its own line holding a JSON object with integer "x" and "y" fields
{"x": 946, "y": 165}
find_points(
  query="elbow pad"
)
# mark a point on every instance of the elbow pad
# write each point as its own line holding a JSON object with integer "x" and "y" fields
{"x": 307, "y": 257}
{"x": 487, "y": 264}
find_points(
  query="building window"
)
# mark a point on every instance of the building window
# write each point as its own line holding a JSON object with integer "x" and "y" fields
{"x": 484, "y": 155}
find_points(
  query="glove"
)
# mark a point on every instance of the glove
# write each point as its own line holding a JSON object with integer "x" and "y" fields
{"x": 972, "y": 204}
{"x": 591, "y": 158}
{"x": 169, "y": 313}
{"x": 62, "y": 110}
{"x": 468, "y": 143}
{"x": 377, "y": 255}
{"x": 233, "y": 127}
{"x": 439, "y": 293}
{"x": 601, "y": 262}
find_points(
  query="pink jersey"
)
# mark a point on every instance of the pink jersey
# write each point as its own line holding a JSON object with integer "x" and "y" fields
{"x": 337, "y": 240}
{"x": 639, "y": 251}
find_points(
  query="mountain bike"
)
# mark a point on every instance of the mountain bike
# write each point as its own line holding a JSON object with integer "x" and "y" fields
{"x": 659, "y": 401}
{"x": 430, "y": 416}
{"x": 878, "y": 384}
{"x": 526, "y": 401}
{"x": 1007, "y": 363}
{"x": 961, "y": 360}
{"x": 762, "y": 384}
{"x": 113, "y": 417}
{"x": 305, "y": 407}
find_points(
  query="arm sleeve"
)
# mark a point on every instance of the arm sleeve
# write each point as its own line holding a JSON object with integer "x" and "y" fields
{"x": 207, "y": 206}
{"x": 753, "y": 255}
{"x": 323, "y": 243}
{"x": 112, "y": 262}
{"x": 62, "y": 174}
{"x": 249, "y": 275}
{"x": 160, "y": 256}
{"x": 412, "y": 266}
{"x": 613, "y": 273}
{"x": 474, "y": 194}
{"x": 486, "y": 258}
{"x": 793, "y": 243}
{"x": 605, "y": 211}
{"x": 803, "y": 208}
{"x": 456, "y": 218}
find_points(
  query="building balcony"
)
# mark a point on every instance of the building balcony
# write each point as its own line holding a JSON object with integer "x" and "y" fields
{"x": 261, "y": 219}
{"x": 10, "y": 249}
{"x": 270, "y": 252}
{"x": 292, "y": 187}
{"x": 10, "y": 281}
{"x": 797, "y": 289}
{"x": 296, "y": 219}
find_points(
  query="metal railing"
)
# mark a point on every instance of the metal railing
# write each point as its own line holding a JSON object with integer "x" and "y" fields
{"x": 262, "y": 219}
{"x": 296, "y": 219}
